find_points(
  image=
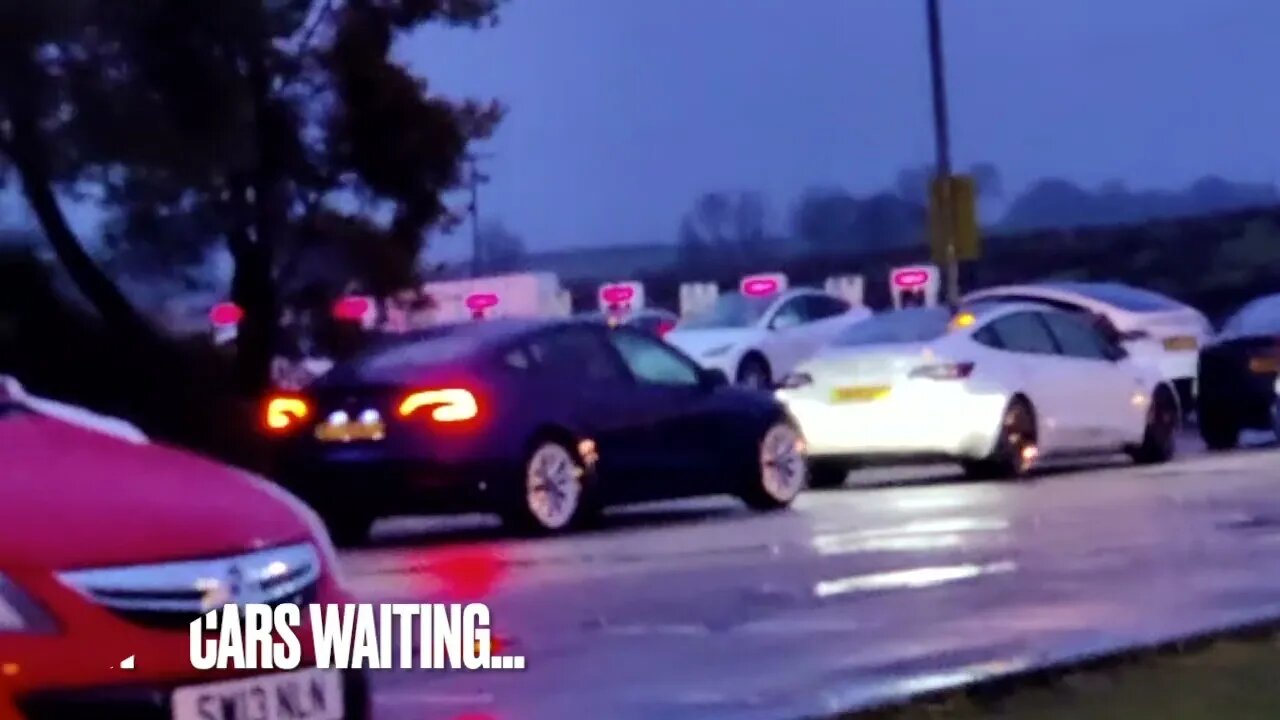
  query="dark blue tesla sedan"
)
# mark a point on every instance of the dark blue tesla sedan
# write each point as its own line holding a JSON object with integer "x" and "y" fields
{"x": 542, "y": 421}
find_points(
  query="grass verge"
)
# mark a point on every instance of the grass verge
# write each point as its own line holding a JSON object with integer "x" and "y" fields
{"x": 1230, "y": 679}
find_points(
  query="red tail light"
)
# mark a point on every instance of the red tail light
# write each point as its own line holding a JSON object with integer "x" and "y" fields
{"x": 284, "y": 412}
{"x": 447, "y": 405}
{"x": 665, "y": 327}
{"x": 944, "y": 371}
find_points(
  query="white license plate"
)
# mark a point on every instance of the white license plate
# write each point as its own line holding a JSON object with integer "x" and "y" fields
{"x": 302, "y": 695}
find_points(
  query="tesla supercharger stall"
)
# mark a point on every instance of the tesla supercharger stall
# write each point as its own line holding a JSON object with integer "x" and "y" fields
{"x": 850, "y": 288}
{"x": 619, "y": 300}
{"x": 482, "y": 305}
{"x": 225, "y": 320}
{"x": 763, "y": 284}
{"x": 915, "y": 286}
{"x": 359, "y": 309}
{"x": 696, "y": 297}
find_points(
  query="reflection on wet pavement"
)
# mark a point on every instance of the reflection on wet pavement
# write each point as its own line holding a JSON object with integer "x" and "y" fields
{"x": 858, "y": 594}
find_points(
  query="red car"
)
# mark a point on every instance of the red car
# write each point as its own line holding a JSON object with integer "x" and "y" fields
{"x": 110, "y": 546}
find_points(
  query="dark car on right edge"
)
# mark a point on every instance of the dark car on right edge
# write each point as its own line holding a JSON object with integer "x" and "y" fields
{"x": 1237, "y": 383}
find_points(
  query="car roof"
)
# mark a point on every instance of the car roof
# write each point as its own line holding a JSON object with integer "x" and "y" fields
{"x": 1084, "y": 293}
{"x": 496, "y": 330}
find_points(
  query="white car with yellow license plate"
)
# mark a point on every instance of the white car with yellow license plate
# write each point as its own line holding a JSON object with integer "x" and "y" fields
{"x": 1155, "y": 329}
{"x": 994, "y": 387}
{"x": 757, "y": 339}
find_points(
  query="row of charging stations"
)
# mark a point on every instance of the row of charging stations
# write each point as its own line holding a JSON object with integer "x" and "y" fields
{"x": 540, "y": 295}
{"x": 910, "y": 286}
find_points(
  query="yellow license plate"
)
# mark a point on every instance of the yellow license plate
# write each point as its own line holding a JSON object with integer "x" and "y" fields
{"x": 859, "y": 394}
{"x": 351, "y": 432}
{"x": 1265, "y": 365}
{"x": 1180, "y": 343}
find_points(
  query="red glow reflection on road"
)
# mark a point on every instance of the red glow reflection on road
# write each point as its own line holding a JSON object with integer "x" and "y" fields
{"x": 469, "y": 574}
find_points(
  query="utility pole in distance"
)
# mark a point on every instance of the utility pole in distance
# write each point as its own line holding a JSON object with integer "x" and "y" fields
{"x": 474, "y": 180}
{"x": 942, "y": 145}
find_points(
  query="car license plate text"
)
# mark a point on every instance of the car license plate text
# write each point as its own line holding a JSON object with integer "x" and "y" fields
{"x": 351, "y": 432}
{"x": 303, "y": 695}
{"x": 859, "y": 394}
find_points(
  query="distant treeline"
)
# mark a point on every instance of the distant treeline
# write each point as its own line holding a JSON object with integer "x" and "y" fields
{"x": 1215, "y": 262}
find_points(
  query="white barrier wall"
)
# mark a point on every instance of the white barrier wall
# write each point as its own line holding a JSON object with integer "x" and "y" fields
{"x": 515, "y": 295}
{"x": 564, "y": 304}
{"x": 696, "y": 297}
{"x": 849, "y": 287}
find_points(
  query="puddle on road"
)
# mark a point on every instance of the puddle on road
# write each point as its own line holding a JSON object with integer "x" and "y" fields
{"x": 921, "y": 535}
{"x": 911, "y": 579}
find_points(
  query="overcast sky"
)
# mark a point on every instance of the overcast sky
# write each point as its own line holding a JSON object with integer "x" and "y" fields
{"x": 623, "y": 111}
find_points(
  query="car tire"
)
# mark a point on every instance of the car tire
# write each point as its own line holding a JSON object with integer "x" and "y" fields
{"x": 781, "y": 470}
{"x": 553, "y": 490}
{"x": 1218, "y": 428}
{"x": 827, "y": 474}
{"x": 1009, "y": 460}
{"x": 1159, "y": 438}
{"x": 754, "y": 372}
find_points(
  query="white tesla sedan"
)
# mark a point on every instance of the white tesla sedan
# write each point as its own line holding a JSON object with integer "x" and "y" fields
{"x": 994, "y": 387}
{"x": 1154, "y": 328}
{"x": 756, "y": 339}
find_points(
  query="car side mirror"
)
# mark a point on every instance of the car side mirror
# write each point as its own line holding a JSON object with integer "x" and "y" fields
{"x": 711, "y": 378}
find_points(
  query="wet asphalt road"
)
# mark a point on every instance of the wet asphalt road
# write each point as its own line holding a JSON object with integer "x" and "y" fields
{"x": 704, "y": 610}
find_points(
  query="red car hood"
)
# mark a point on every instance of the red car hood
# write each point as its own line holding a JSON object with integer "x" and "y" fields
{"x": 75, "y": 498}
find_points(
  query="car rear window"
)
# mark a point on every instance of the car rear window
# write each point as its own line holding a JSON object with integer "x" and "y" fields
{"x": 1124, "y": 297}
{"x": 1260, "y": 317}
{"x": 915, "y": 325}
{"x": 446, "y": 347}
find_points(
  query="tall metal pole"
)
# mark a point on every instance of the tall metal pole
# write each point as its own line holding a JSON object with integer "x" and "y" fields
{"x": 942, "y": 145}
{"x": 473, "y": 209}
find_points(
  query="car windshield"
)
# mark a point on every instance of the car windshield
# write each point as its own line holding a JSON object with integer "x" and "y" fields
{"x": 1122, "y": 296}
{"x": 1260, "y": 317}
{"x": 900, "y": 326}
{"x": 731, "y": 310}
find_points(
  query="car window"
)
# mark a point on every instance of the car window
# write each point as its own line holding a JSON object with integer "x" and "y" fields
{"x": 730, "y": 310}
{"x": 1076, "y": 337}
{"x": 1031, "y": 299}
{"x": 652, "y": 361}
{"x": 790, "y": 314}
{"x": 446, "y": 347}
{"x": 577, "y": 352}
{"x": 913, "y": 325}
{"x": 1260, "y": 317}
{"x": 1024, "y": 332}
{"x": 1124, "y": 297}
{"x": 989, "y": 337}
{"x": 821, "y": 307}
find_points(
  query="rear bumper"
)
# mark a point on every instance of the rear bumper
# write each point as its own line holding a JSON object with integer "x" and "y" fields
{"x": 145, "y": 701}
{"x": 397, "y": 487}
{"x": 928, "y": 421}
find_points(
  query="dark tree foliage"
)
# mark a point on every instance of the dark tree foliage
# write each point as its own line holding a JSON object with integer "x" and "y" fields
{"x": 279, "y": 129}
